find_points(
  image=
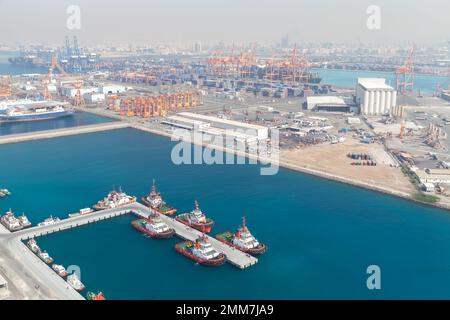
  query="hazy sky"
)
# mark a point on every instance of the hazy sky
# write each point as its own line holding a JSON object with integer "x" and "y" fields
{"x": 182, "y": 21}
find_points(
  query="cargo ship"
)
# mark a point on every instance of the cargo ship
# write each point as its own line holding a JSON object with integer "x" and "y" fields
{"x": 10, "y": 221}
{"x": 75, "y": 283}
{"x": 60, "y": 270}
{"x": 156, "y": 202}
{"x": 92, "y": 296}
{"x": 114, "y": 199}
{"x": 201, "y": 251}
{"x": 153, "y": 227}
{"x": 196, "y": 219}
{"x": 32, "y": 244}
{"x": 46, "y": 112}
{"x": 44, "y": 256}
{"x": 242, "y": 240}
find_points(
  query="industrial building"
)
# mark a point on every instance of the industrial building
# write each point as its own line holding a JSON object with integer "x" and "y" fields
{"x": 374, "y": 96}
{"x": 111, "y": 89}
{"x": 186, "y": 123}
{"x": 328, "y": 103}
{"x": 260, "y": 132}
{"x": 93, "y": 97}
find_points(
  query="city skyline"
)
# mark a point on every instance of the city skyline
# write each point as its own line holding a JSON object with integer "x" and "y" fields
{"x": 264, "y": 22}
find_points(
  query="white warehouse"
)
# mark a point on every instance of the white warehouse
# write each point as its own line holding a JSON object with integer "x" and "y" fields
{"x": 374, "y": 96}
{"x": 260, "y": 132}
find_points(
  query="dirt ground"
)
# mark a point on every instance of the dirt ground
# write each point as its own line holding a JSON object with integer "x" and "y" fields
{"x": 332, "y": 158}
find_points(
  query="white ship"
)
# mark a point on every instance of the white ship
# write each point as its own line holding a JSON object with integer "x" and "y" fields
{"x": 60, "y": 270}
{"x": 33, "y": 246}
{"x": 48, "y": 221}
{"x": 75, "y": 283}
{"x": 10, "y": 221}
{"x": 24, "y": 222}
{"x": 45, "y": 257}
{"x": 114, "y": 199}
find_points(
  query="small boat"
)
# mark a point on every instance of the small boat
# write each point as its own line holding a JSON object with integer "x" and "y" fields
{"x": 153, "y": 227}
{"x": 196, "y": 219}
{"x": 32, "y": 244}
{"x": 60, "y": 270}
{"x": 24, "y": 222}
{"x": 75, "y": 283}
{"x": 114, "y": 199}
{"x": 242, "y": 240}
{"x": 48, "y": 221}
{"x": 92, "y": 296}
{"x": 45, "y": 257}
{"x": 201, "y": 251}
{"x": 10, "y": 221}
{"x": 155, "y": 201}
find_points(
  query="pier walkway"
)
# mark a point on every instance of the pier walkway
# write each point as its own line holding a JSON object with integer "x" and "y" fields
{"x": 234, "y": 256}
{"x": 48, "y": 134}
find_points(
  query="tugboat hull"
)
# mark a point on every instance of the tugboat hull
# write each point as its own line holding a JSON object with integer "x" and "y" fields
{"x": 220, "y": 260}
{"x": 204, "y": 227}
{"x": 163, "y": 235}
{"x": 169, "y": 212}
{"x": 226, "y": 237}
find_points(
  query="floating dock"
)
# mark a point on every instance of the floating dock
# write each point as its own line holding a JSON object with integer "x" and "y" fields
{"x": 236, "y": 257}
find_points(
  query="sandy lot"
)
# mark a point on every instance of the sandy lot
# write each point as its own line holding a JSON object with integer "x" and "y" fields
{"x": 332, "y": 159}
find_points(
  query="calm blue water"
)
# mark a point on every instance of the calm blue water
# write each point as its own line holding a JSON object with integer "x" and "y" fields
{"x": 78, "y": 119}
{"x": 321, "y": 235}
{"x": 344, "y": 78}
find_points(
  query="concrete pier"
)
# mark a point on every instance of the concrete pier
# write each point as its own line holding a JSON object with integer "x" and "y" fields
{"x": 234, "y": 256}
{"x": 48, "y": 134}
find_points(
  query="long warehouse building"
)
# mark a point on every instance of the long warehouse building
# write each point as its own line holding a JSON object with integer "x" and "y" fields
{"x": 260, "y": 132}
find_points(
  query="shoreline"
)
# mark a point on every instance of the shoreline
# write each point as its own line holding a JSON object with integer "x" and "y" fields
{"x": 313, "y": 172}
{"x": 125, "y": 123}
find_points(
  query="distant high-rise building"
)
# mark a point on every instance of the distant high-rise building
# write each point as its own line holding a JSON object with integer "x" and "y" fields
{"x": 197, "y": 47}
{"x": 284, "y": 42}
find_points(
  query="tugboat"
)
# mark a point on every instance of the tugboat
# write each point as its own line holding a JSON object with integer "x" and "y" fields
{"x": 11, "y": 222}
{"x": 201, "y": 251}
{"x": 153, "y": 227}
{"x": 24, "y": 222}
{"x": 75, "y": 282}
{"x": 48, "y": 221}
{"x": 60, "y": 270}
{"x": 33, "y": 246}
{"x": 114, "y": 199}
{"x": 242, "y": 240}
{"x": 92, "y": 296}
{"x": 156, "y": 202}
{"x": 196, "y": 219}
{"x": 45, "y": 257}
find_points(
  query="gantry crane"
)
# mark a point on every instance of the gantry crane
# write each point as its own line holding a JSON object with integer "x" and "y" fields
{"x": 404, "y": 75}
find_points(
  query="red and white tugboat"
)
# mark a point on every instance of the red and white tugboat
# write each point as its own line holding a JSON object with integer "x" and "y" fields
{"x": 156, "y": 202}
{"x": 242, "y": 240}
{"x": 153, "y": 227}
{"x": 114, "y": 199}
{"x": 196, "y": 219}
{"x": 201, "y": 251}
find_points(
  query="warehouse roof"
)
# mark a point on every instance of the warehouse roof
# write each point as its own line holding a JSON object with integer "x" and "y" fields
{"x": 220, "y": 120}
{"x": 374, "y": 83}
{"x": 325, "y": 100}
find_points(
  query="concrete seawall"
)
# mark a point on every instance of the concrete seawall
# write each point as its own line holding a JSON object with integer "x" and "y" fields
{"x": 48, "y": 134}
